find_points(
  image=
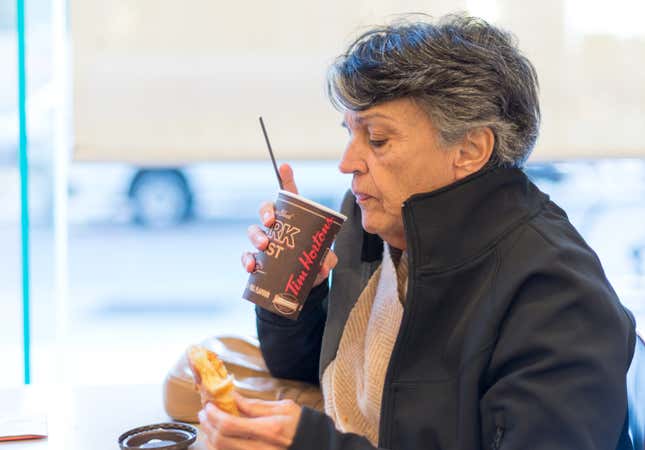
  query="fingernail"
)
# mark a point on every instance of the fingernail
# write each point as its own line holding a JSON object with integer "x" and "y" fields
{"x": 266, "y": 217}
{"x": 209, "y": 407}
{"x": 202, "y": 416}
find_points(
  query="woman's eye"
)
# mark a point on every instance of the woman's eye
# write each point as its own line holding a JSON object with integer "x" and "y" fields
{"x": 378, "y": 142}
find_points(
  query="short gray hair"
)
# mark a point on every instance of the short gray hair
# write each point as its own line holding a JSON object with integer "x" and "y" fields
{"x": 464, "y": 72}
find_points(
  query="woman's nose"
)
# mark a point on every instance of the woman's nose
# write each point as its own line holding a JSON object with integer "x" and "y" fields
{"x": 351, "y": 161}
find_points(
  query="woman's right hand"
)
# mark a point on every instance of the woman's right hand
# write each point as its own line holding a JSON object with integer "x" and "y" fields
{"x": 260, "y": 240}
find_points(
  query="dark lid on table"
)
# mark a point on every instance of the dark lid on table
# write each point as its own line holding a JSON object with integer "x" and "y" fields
{"x": 167, "y": 436}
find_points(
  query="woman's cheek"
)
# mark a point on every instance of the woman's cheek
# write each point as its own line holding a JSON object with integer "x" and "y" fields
{"x": 392, "y": 205}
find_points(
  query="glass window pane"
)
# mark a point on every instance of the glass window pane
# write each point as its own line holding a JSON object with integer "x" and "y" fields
{"x": 155, "y": 258}
{"x": 10, "y": 263}
{"x": 39, "y": 114}
{"x": 161, "y": 189}
{"x": 40, "y": 111}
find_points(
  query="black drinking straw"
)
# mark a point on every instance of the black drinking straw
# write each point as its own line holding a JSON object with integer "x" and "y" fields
{"x": 275, "y": 166}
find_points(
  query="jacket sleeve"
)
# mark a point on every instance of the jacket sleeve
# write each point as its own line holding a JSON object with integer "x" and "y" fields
{"x": 291, "y": 348}
{"x": 556, "y": 378}
{"x": 316, "y": 431}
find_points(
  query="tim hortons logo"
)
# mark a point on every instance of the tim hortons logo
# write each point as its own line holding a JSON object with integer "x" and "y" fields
{"x": 307, "y": 259}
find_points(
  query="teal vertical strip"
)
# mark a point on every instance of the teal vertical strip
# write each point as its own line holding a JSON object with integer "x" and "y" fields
{"x": 24, "y": 187}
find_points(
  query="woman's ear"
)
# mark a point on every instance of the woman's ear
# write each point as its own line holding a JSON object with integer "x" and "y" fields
{"x": 475, "y": 151}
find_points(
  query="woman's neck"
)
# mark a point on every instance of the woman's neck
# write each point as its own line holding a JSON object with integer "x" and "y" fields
{"x": 396, "y": 241}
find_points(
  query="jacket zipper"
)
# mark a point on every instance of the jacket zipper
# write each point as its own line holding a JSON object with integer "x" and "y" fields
{"x": 497, "y": 441}
{"x": 386, "y": 401}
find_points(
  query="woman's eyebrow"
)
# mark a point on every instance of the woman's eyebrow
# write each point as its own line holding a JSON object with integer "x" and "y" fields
{"x": 361, "y": 119}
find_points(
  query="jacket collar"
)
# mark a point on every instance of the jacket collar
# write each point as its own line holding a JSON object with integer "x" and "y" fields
{"x": 452, "y": 225}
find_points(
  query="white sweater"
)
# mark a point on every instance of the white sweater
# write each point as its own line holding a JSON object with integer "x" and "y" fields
{"x": 352, "y": 383}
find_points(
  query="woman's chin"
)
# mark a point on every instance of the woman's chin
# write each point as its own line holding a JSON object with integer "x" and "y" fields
{"x": 384, "y": 225}
{"x": 369, "y": 224}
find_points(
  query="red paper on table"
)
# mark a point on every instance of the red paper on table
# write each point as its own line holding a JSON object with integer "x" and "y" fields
{"x": 23, "y": 428}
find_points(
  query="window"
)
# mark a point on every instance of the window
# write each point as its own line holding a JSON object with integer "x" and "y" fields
{"x": 38, "y": 58}
{"x": 162, "y": 165}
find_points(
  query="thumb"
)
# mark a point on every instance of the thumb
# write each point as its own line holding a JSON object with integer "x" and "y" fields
{"x": 288, "y": 181}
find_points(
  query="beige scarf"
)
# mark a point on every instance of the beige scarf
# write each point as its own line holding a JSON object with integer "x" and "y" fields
{"x": 352, "y": 383}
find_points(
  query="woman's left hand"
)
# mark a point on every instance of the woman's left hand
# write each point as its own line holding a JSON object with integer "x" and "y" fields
{"x": 267, "y": 425}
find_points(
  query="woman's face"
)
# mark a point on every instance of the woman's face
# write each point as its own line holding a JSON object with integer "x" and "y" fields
{"x": 393, "y": 152}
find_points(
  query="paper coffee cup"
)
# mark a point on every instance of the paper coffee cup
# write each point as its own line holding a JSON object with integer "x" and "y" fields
{"x": 298, "y": 243}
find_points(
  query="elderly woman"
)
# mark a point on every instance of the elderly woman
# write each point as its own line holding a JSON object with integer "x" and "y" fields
{"x": 464, "y": 311}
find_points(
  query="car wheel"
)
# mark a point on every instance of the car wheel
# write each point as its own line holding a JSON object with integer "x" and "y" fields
{"x": 161, "y": 197}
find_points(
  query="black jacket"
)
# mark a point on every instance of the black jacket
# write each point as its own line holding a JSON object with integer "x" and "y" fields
{"x": 511, "y": 337}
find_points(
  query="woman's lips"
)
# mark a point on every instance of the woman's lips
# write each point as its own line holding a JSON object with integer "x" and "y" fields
{"x": 362, "y": 198}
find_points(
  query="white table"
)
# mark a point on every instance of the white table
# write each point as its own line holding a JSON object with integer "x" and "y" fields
{"x": 85, "y": 417}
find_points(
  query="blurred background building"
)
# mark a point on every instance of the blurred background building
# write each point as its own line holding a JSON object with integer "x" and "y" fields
{"x": 147, "y": 163}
